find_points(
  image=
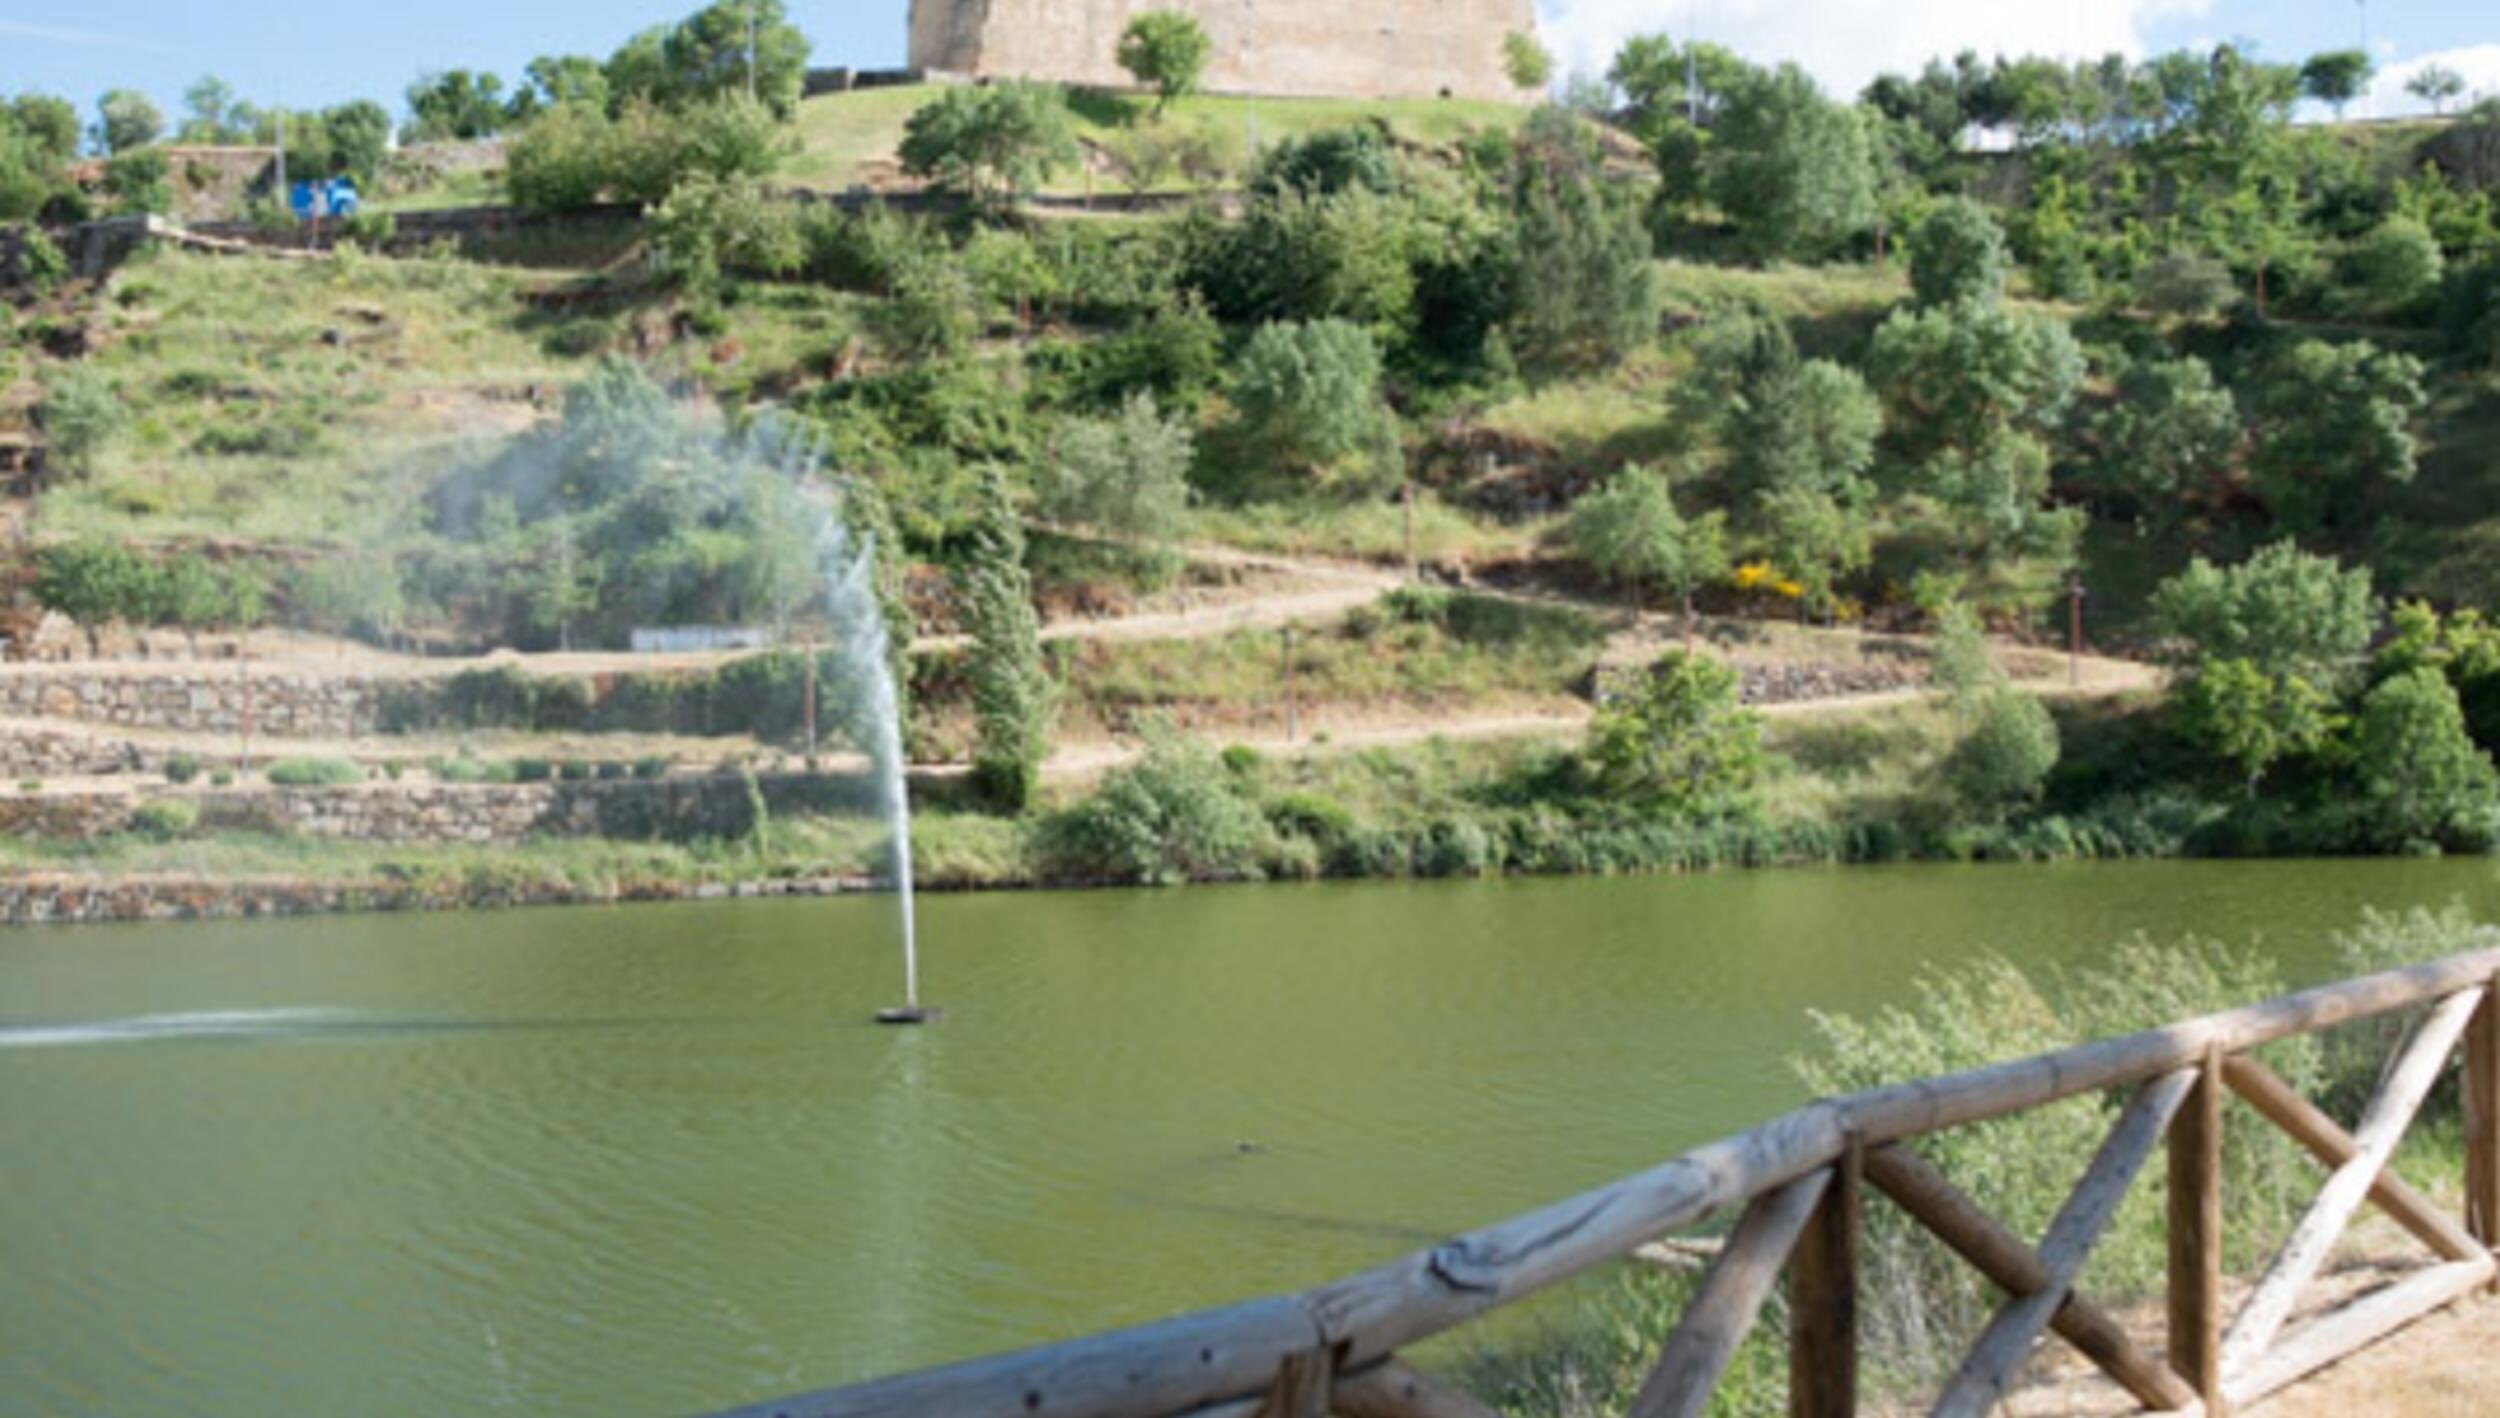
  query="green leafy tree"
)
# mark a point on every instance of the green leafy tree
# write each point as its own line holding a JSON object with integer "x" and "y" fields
{"x": 1964, "y": 376}
{"x": 2421, "y": 776}
{"x": 1631, "y": 533}
{"x": 1167, "y": 51}
{"x": 2336, "y": 77}
{"x": 136, "y": 181}
{"x": 29, "y": 175}
{"x": 1586, "y": 292}
{"x": 2283, "y": 610}
{"x": 454, "y": 103}
{"x": 95, "y": 583}
{"x": 210, "y": 102}
{"x": 1525, "y": 62}
{"x": 2332, "y": 427}
{"x": 746, "y": 48}
{"x": 2250, "y": 719}
{"x": 710, "y": 226}
{"x": 50, "y": 121}
{"x": 1957, "y": 254}
{"x": 81, "y": 415}
{"x": 360, "y": 136}
{"x": 1126, "y": 476}
{"x": 1791, "y": 168}
{"x": 1790, "y": 424}
{"x": 1011, "y": 694}
{"x": 559, "y": 160}
{"x": 929, "y": 311}
{"x": 192, "y": 595}
{"x": 1309, "y": 394}
{"x": 343, "y": 595}
{"x": 2395, "y": 268}
{"x": 2184, "y": 283}
{"x": 2006, "y": 754}
{"x": 2171, "y": 433}
{"x": 1300, "y": 255}
{"x": 127, "y": 119}
{"x": 2437, "y": 85}
{"x": 1324, "y": 161}
{"x": 1175, "y": 815}
{"x": 1679, "y": 742}
{"x": 990, "y": 142}
{"x": 554, "y": 80}
{"x": 1814, "y": 539}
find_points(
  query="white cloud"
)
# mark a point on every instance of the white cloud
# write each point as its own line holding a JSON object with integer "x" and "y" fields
{"x": 2478, "y": 63}
{"x": 57, "y": 34}
{"x": 1844, "y": 43}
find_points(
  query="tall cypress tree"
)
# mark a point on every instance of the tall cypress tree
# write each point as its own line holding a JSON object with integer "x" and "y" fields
{"x": 1010, "y": 693}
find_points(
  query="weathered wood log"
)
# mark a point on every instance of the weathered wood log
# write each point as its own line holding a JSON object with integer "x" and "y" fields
{"x": 1392, "y": 1390}
{"x": 1723, "y": 1310}
{"x": 1823, "y": 1299}
{"x": 2383, "y": 1125}
{"x": 2363, "y": 1322}
{"x": 1953, "y": 1218}
{"x": 2280, "y": 1104}
{"x": 2196, "y": 1238}
{"x": 2482, "y": 1122}
{"x": 1975, "y": 1388}
{"x": 1300, "y": 1388}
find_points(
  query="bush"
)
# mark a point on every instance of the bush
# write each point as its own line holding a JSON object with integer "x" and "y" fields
{"x": 532, "y": 770}
{"x": 649, "y": 768}
{"x": 990, "y": 142}
{"x": 1174, "y": 815}
{"x": 1957, "y": 253}
{"x": 2007, "y": 753}
{"x": 221, "y": 778}
{"x": 314, "y": 773}
{"x": 1678, "y": 741}
{"x": 2185, "y": 284}
{"x": 181, "y": 768}
{"x": 573, "y": 770}
{"x": 1309, "y": 394}
{"x": 81, "y": 415}
{"x": 2395, "y": 269}
{"x": 1128, "y": 476}
{"x": 164, "y": 819}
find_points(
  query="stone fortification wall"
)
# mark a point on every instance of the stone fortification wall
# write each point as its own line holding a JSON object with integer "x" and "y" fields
{"x": 1317, "y": 48}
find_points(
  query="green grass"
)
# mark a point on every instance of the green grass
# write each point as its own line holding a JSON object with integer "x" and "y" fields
{"x": 479, "y": 187}
{"x": 1362, "y": 531}
{"x": 846, "y": 138}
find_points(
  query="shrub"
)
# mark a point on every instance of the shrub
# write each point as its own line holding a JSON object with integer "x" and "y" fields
{"x": 181, "y": 767}
{"x": 81, "y": 415}
{"x": 532, "y": 770}
{"x": 1174, "y": 815}
{"x": 1678, "y": 741}
{"x": 573, "y": 770}
{"x": 2006, "y": 754}
{"x": 610, "y": 770}
{"x": 1957, "y": 253}
{"x": 1127, "y": 476}
{"x": 2395, "y": 269}
{"x": 990, "y": 142}
{"x": 710, "y": 226}
{"x": 2183, "y": 283}
{"x": 221, "y": 778}
{"x": 649, "y": 768}
{"x": 1309, "y": 394}
{"x": 1327, "y": 161}
{"x": 164, "y": 819}
{"x": 314, "y": 773}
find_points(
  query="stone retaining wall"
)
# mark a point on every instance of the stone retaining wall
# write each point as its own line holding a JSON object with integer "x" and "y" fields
{"x": 196, "y": 699}
{"x": 1798, "y": 683}
{"x": 41, "y": 755}
{"x": 671, "y": 809}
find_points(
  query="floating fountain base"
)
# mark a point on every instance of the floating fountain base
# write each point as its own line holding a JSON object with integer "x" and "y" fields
{"x": 910, "y": 1014}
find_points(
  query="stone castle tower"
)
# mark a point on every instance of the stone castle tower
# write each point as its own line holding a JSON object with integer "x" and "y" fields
{"x": 1313, "y": 48}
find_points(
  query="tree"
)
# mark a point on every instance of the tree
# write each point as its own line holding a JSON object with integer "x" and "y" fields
{"x": 29, "y": 175}
{"x": 50, "y": 121}
{"x": 1324, "y": 162}
{"x": 1791, "y": 168}
{"x": 136, "y": 181}
{"x": 2184, "y": 283}
{"x": 1789, "y": 424}
{"x": 1815, "y": 538}
{"x": 1678, "y": 742}
{"x": 360, "y": 135}
{"x": 210, "y": 101}
{"x": 339, "y": 594}
{"x": 2435, "y": 85}
{"x": 2283, "y": 610}
{"x": 1957, "y": 254}
{"x": 711, "y": 226}
{"x": 1631, "y": 533}
{"x": 94, "y": 582}
{"x": 2332, "y": 427}
{"x": 2005, "y": 755}
{"x": 2248, "y": 718}
{"x": 928, "y": 312}
{"x": 553, "y": 80}
{"x": 192, "y": 595}
{"x": 1011, "y": 695}
{"x": 2421, "y": 777}
{"x": 746, "y": 48}
{"x": 2336, "y": 77}
{"x": 1309, "y": 394}
{"x": 1963, "y": 376}
{"x": 128, "y": 119}
{"x": 1525, "y": 62}
{"x": 1586, "y": 292}
{"x": 1167, "y": 51}
{"x": 990, "y": 142}
{"x": 2395, "y": 268}
{"x": 455, "y": 103}
{"x": 81, "y": 415}
{"x": 1126, "y": 476}
{"x": 2171, "y": 433}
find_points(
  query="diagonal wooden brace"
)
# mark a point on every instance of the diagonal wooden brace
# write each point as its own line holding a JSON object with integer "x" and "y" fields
{"x": 1723, "y": 1310}
{"x": 1981, "y": 1381}
{"x": 2280, "y": 1104}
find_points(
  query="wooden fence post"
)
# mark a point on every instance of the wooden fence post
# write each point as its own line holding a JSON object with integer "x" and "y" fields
{"x": 1823, "y": 1301}
{"x": 2196, "y": 1237}
{"x": 2482, "y": 1121}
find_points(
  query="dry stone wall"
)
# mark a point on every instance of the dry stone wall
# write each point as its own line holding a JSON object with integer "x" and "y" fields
{"x": 196, "y": 699}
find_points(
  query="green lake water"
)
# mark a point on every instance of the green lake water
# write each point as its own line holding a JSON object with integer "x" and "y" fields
{"x": 655, "y": 1159}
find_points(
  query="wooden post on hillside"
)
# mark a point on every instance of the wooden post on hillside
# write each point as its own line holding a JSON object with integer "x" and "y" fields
{"x": 1823, "y": 1301}
{"x": 2196, "y": 1237}
{"x": 1289, "y": 715}
{"x": 2482, "y": 1122}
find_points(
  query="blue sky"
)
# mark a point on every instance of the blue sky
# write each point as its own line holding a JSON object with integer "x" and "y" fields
{"x": 277, "y": 51}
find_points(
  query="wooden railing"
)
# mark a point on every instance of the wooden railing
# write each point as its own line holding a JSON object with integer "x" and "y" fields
{"x": 1801, "y": 1179}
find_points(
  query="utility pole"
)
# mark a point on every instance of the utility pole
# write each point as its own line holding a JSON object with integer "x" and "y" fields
{"x": 2074, "y": 631}
{"x": 1289, "y": 705}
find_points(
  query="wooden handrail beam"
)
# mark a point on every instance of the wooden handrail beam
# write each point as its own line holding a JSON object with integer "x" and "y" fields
{"x": 1980, "y": 1383}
